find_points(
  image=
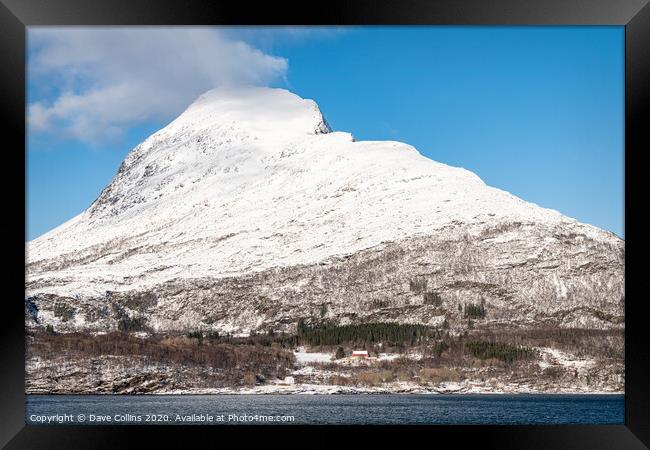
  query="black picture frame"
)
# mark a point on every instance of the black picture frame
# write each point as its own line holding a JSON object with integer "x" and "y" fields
{"x": 16, "y": 15}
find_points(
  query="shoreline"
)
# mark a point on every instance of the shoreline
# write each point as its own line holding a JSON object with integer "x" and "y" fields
{"x": 326, "y": 390}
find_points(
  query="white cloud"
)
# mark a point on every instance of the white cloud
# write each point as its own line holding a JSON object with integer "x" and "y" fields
{"x": 109, "y": 79}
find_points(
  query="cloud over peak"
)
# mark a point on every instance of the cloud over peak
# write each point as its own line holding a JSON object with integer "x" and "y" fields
{"x": 96, "y": 82}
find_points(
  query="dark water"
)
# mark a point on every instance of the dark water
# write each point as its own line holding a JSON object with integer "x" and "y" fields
{"x": 329, "y": 409}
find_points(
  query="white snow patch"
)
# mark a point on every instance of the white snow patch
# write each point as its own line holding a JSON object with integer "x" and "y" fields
{"x": 554, "y": 357}
{"x": 304, "y": 357}
{"x": 388, "y": 356}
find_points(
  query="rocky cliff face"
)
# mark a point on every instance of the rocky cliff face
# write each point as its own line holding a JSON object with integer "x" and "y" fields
{"x": 248, "y": 213}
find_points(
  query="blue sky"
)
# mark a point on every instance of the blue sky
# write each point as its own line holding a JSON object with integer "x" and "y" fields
{"x": 536, "y": 111}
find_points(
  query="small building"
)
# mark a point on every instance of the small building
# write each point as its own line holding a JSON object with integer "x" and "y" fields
{"x": 359, "y": 353}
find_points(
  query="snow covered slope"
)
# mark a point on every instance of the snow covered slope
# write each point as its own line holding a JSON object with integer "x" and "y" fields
{"x": 252, "y": 179}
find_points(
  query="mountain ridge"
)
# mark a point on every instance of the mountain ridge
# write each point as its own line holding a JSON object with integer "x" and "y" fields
{"x": 253, "y": 180}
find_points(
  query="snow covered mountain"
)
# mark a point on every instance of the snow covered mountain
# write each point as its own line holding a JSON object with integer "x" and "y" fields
{"x": 247, "y": 212}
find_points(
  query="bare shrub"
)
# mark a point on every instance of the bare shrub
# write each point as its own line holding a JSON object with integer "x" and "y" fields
{"x": 439, "y": 374}
{"x": 418, "y": 285}
{"x": 249, "y": 379}
{"x": 374, "y": 378}
{"x": 63, "y": 311}
{"x": 338, "y": 380}
{"x": 177, "y": 350}
{"x": 553, "y": 372}
{"x": 432, "y": 298}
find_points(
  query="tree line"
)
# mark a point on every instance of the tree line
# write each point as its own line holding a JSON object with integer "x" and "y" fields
{"x": 388, "y": 333}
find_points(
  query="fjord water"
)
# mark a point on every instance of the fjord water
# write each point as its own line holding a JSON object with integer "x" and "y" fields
{"x": 331, "y": 409}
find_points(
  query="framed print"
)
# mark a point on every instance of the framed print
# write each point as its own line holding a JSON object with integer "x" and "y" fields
{"x": 373, "y": 218}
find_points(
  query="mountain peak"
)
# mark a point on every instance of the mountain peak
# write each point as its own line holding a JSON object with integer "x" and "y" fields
{"x": 258, "y": 112}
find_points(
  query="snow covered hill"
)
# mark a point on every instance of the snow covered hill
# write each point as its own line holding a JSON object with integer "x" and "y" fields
{"x": 248, "y": 212}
